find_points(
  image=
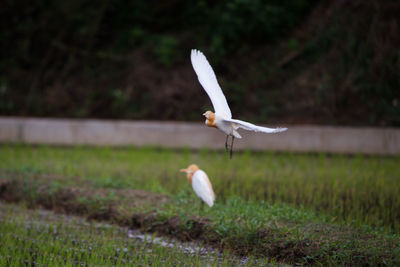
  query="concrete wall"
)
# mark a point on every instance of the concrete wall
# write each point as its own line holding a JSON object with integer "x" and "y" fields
{"x": 367, "y": 140}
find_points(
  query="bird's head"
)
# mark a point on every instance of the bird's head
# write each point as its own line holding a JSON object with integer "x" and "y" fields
{"x": 190, "y": 171}
{"x": 209, "y": 115}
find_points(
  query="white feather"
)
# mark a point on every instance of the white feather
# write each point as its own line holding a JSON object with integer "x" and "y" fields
{"x": 251, "y": 127}
{"x": 202, "y": 187}
{"x": 223, "y": 115}
{"x": 226, "y": 126}
{"x": 210, "y": 84}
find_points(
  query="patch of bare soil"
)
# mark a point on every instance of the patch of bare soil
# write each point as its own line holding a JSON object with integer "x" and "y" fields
{"x": 190, "y": 229}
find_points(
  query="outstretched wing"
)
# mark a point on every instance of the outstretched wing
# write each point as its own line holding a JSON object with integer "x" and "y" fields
{"x": 251, "y": 127}
{"x": 210, "y": 84}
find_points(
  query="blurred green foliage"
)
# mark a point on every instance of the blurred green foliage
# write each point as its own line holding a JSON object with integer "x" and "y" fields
{"x": 85, "y": 59}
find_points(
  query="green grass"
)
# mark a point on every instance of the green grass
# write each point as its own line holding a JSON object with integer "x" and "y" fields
{"x": 354, "y": 189}
{"x": 297, "y": 208}
{"x": 40, "y": 238}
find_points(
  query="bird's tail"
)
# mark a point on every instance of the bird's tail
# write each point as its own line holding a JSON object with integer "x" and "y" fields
{"x": 209, "y": 201}
{"x": 236, "y": 134}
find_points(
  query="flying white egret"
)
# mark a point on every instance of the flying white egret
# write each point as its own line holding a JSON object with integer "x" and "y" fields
{"x": 222, "y": 118}
{"x": 200, "y": 183}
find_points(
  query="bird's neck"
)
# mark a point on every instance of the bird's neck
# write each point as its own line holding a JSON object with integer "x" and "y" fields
{"x": 211, "y": 124}
{"x": 190, "y": 177}
{"x": 210, "y": 121}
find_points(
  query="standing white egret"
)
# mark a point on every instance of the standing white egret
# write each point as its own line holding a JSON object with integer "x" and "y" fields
{"x": 222, "y": 118}
{"x": 200, "y": 183}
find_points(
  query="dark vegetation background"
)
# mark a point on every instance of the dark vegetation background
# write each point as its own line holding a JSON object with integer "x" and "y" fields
{"x": 293, "y": 61}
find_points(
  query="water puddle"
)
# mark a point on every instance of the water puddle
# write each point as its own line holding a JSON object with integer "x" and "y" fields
{"x": 190, "y": 248}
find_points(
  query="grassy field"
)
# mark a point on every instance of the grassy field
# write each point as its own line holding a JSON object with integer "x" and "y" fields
{"x": 40, "y": 238}
{"x": 297, "y": 208}
{"x": 357, "y": 189}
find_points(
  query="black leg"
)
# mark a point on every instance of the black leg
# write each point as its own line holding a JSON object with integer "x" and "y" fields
{"x": 233, "y": 138}
{"x": 226, "y": 143}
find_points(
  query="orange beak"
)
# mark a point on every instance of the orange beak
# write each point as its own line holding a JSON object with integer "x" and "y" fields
{"x": 183, "y": 170}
